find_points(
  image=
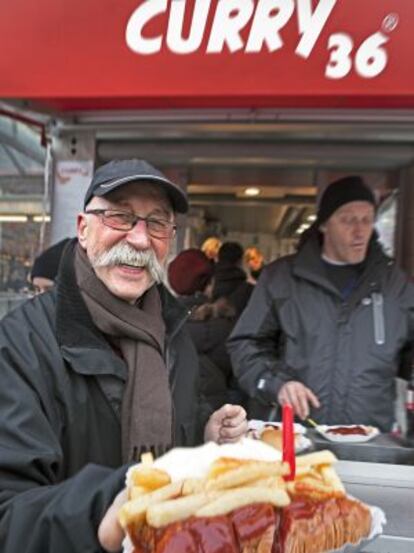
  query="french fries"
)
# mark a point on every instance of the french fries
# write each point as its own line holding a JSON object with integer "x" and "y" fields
{"x": 136, "y": 509}
{"x": 171, "y": 511}
{"x": 331, "y": 478}
{"x": 324, "y": 457}
{"x": 194, "y": 485}
{"x": 147, "y": 458}
{"x": 146, "y": 478}
{"x": 136, "y": 491}
{"x": 315, "y": 477}
{"x": 312, "y": 489}
{"x": 239, "y": 497}
{"x": 225, "y": 464}
{"x": 246, "y": 473}
{"x": 150, "y": 478}
{"x": 229, "y": 484}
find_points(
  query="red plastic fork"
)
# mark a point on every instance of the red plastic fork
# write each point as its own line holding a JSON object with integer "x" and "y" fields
{"x": 288, "y": 441}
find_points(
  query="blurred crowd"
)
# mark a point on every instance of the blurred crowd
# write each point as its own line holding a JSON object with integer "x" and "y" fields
{"x": 215, "y": 283}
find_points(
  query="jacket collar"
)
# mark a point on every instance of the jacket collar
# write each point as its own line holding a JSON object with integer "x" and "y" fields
{"x": 308, "y": 265}
{"x": 79, "y": 337}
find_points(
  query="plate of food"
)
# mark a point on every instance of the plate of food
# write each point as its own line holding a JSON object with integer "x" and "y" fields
{"x": 271, "y": 433}
{"x": 235, "y": 498}
{"x": 347, "y": 433}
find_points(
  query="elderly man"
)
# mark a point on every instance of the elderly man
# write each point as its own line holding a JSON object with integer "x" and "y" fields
{"x": 325, "y": 327}
{"x": 97, "y": 370}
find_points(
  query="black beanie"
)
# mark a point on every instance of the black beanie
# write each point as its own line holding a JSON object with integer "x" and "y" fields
{"x": 341, "y": 192}
{"x": 230, "y": 252}
{"x": 46, "y": 264}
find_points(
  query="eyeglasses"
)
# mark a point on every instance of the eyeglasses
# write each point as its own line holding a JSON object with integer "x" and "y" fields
{"x": 126, "y": 221}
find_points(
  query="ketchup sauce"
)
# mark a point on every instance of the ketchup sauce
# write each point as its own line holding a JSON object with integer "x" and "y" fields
{"x": 348, "y": 430}
{"x": 252, "y": 520}
{"x": 221, "y": 534}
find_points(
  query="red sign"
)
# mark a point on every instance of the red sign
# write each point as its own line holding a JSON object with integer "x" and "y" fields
{"x": 208, "y": 53}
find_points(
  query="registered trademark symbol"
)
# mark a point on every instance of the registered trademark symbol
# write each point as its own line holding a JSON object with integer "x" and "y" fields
{"x": 390, "y": 22}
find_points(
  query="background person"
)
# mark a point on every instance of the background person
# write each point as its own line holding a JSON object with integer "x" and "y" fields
{"x": 46, "y": 265}
{"x": 230, "y": 281}
{"x": 211, "y": 247}
{"x": 325, "y": 327}
{"x": 254, "y": 260}
{"x": 98, "y": 369}
{"x": 191, "y": 274}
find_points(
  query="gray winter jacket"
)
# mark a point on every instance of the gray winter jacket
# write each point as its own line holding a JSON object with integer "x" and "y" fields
{"x": 297, "y": 327}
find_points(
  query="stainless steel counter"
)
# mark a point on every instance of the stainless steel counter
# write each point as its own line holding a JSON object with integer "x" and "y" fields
{"x": 384, "y": 448}
{"x": 390, "y": 487}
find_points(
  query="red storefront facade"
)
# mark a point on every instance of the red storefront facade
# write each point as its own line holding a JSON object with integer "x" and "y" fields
{"x": 103, "y": 69}
{"x": 108, "y": 54}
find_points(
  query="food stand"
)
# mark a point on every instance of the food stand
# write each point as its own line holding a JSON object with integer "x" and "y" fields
{"x": 125, "y": 73}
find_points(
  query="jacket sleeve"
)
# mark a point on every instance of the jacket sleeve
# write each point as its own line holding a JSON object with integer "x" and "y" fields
{"x": 256, "y": 341}
{"x": 406, "y": 363}
{"x": 40, "y": 510}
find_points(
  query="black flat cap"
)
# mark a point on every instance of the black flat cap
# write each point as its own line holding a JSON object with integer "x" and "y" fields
{"x": 115, "y": 174}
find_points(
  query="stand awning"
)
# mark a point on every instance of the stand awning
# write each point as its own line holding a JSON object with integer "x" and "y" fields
{"x": 111, "y": 54}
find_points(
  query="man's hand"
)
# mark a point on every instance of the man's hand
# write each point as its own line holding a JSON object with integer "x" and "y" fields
{"x": 299, "y": 396}
{"x": 226, "y": 425}
{"x": 110, "y": 532}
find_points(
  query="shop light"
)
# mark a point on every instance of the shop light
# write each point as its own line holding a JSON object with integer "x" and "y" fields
{"x": 13, "y": 218}
{"x": 252, "y": 191}
{"x": 41, "y": 219}
{"x": 311, "y": 218}
{"x": 302, "y": 228}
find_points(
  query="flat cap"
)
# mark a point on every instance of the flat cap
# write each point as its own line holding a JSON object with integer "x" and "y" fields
{"x": 113, "y": 175}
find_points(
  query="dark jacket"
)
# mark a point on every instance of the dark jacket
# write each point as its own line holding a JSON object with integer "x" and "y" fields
{"x": 230, "y": 281}
{"x": 209, "y": 338}
{"x": 297, "y": 327}
{"x": 217, "y": 381}
{"x": 60, "y": 435}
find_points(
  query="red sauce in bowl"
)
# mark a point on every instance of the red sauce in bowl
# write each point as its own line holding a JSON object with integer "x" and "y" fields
{"x": 349, "y": 430}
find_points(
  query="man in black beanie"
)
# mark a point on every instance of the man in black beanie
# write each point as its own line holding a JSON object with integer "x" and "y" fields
{"x": 325, "y": 327}
{"x": 340, "y": 192}
{"x": 346, "y": 216}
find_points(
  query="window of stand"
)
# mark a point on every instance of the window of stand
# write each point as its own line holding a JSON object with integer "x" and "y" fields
{"x": 386, "y": 223}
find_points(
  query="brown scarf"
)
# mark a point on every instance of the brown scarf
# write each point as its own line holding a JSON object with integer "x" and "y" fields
{"x": 140, "y": 334}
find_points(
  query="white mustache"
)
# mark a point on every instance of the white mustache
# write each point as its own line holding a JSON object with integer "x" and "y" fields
{"x": 124, "y": 254}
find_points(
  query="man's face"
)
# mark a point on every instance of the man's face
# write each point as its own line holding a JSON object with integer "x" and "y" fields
{"x": 42, "y": 284}
{"x": 127, "y": 262}
{"x": 347, "y": 232}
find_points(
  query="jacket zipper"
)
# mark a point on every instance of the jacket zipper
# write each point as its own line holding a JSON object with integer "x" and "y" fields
{"x": 170, "y": 338}
{"x": 378, "y": 316}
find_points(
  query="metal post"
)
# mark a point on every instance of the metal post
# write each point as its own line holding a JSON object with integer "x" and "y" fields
{"x": 73, "y": 158}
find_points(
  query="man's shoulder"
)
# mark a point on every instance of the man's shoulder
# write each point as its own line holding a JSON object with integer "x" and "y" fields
{"x": 277, "y": 278}
{"x": 281, "y": 266}
{"x": 34, "y": 313}
{"x": 392, "y": 278}
{"x": 398, "y": 277}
